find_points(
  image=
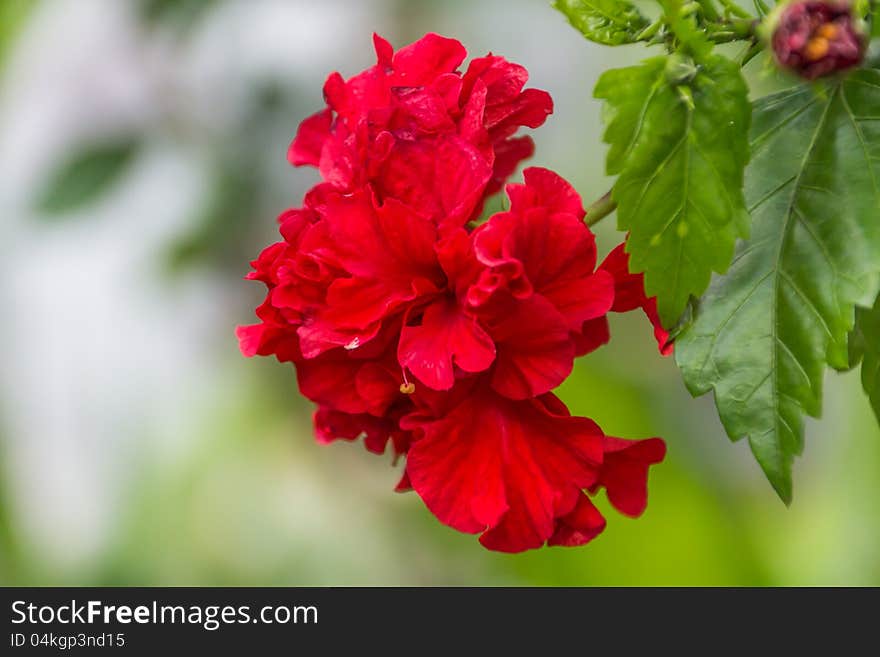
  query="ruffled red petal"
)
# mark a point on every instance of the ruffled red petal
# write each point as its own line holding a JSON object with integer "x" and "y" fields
{"x": 446, "y": 337}
{"x": 506, "y": 468}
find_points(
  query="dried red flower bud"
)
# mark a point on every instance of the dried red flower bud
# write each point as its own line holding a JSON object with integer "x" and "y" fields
{"x": 816, "y": 38}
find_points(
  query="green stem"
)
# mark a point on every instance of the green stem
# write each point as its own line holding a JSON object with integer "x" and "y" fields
{"x": 750, "y": 53}
{"x": 737, "y": 29}
{"x": 651, "y": 31}
{"x": 733, "y": 9}
{"x": 600, "y": 209}
{"x": 709, "y": 10}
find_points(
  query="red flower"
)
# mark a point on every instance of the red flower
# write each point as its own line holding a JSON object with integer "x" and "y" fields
{"x": 419, "y": 131}
{"x": 817, "y": 38}
{"x": 410, "y": 328}
{"x": 629, "y": 294}
{"x": 520, "y": 294}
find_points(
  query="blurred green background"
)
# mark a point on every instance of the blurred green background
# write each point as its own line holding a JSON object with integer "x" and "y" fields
{"x": 142, "y": 150}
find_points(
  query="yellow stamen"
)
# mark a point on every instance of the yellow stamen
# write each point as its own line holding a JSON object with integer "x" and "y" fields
{"x": 828, "y": 31}
{"x": 408, "y": 388}
{"x": 816, "y": 48}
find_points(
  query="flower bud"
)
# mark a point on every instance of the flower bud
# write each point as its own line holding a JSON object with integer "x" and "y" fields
{"x": 680, "y": 69}
{"x": 814, "y": 38}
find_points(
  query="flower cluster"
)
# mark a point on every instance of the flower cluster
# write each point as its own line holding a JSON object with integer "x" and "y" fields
{"x": 814, "y": 38}
{"x": 410, "y": 326}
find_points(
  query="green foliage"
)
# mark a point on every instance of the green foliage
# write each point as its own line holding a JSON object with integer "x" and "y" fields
{"x": 678, "y": 135}
{"x": 609, "y": 22}
{"x": 868, "y": 332}
{"x": 87, "y": 174}
{"x": 765, "y": 332}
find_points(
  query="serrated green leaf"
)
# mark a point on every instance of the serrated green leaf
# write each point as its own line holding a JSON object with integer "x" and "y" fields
{"x": 691, "y": 37}
{"x": 680, "y": 143}
{"x": 609, "y": 22}
{"x": 765, "y": 331}
{"x": 868, "y": 328}
{"x": 86, "y": 174}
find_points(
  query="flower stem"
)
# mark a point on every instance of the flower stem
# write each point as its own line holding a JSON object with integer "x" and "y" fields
{"x": 600, "y": 209}
{"x": 736, "y": 29}
{"x": 751, "y": 52}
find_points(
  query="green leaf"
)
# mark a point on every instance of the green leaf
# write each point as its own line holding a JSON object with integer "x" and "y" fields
{"x": 764, "y": 332}
{"x": 868, "y": 328}
{"x": 610, "y": 22}
{"x": 855, "y": 348}
{"x": 87, "y": 174}
{"x": 678, "y": 135}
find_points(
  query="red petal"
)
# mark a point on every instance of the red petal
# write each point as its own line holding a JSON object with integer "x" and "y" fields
{"x": 629, "y": 294}
{"x": 250, "y": 338}
{"x": 592, "y": 335}
{"x": 503, "y": 79}
{"x": 353, "y": 314}
{"x": 508, "y": 154}
{"x": 581, "y": 299}
{"x": 330, "y": 380}
{"x": 580, "y": 526}
{"x": 629, "y": 290}
{"x": 331, "y": 425}
{"x": 420, "y": 62}
{"x": 446, "y": 337}
{"x": 310, "y": 137}
{"x": 444, "y": 177}
{"x": 624, "y": 472}
{"x": 510, "y": 468}
{"x": 389, "y": 250}
{"x": 534, "y": 352}
{"x": 530, "y": 109}
{"x": 545, "y": 189}
{"x": 455, "y": 252}
{"x": 661, "y": 335}
{"x": 378, "y": 384}
{"x": 425, "y": 111}
{"x": 404, "y": 485}
{"x": 391, "y": 241}
{"x": 470, "y": 125}
{"x": 384, "y": 50}
{"x": 266, "y": 340}
{"x": 541, "y": 244}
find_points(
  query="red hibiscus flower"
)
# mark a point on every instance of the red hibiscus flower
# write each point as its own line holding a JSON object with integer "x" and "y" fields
{"x": 418, "y": 130}
{"x": 409, "y": 327}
